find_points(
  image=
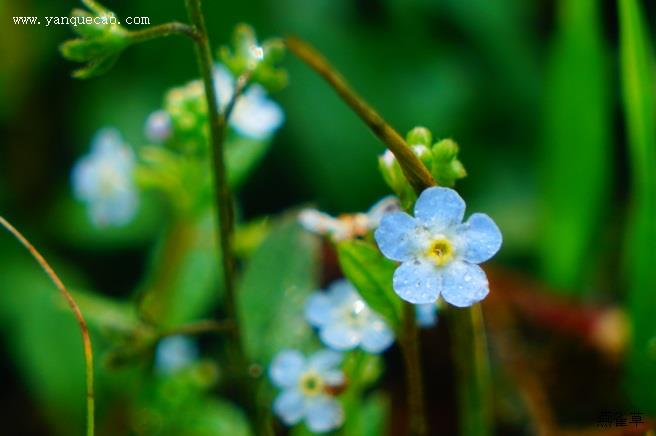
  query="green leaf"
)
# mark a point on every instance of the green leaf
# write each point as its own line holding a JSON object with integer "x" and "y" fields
{"x": 183, "y": 283}
{"x": 272, "y": 294}
{"x": 577, "y": 148}
{"x": 638, "y": 85}
{"x": 371, "y": 274}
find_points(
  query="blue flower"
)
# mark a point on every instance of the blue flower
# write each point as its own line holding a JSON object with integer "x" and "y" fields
{"x": 158, "y": 126}
{"x": 254, "y": 114}
{"x": 174, "y": 353}
{"x": 439, "y": 254}
{"x": 345, "y": 321}
{"x": 103, "y": 179}
{"x": 306, "y": 385}
{"x": 426, "y": 315}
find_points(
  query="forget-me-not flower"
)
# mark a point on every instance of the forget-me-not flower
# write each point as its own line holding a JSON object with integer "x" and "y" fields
{"x": 307, "y": 386}
{"x": 158, "y": 126}
{"x": 345, "y": 321}
{"x": 254, "y": 114}
{"x": 174, "y": 353}
{"x": 439, "y": 253}
{"x": 347, "y": 226}
{"x": 103, "y": 179}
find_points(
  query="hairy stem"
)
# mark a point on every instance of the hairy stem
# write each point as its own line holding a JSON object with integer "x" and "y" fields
{"x": 162, "y": 30}
{"x": 84, "y": 330}
{"x": 223, "y": 200}
{"x": 416, "y": 173}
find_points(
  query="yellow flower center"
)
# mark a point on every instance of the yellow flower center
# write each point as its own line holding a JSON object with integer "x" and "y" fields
{"x": 440, "y": 251}
{"x": 311, "y": 384}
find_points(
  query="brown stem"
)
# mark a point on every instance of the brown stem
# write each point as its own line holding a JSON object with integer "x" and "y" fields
{"x": 413, "y": 169}
{"x": 84, "y": 330}
{"x": 411, "y": 355}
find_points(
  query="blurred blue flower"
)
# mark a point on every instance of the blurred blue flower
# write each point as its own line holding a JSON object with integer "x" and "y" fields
{"x": 174, "y": 353}
{"x": 306, "y": 385}
{"x": 345, "y": 321}
{"x": 103, "y": 179}
{"x": 158, "y": 126}
{"x": 426, "y": 315}
{"x": 254, "y": 114}
{"x": 439, "y": 253}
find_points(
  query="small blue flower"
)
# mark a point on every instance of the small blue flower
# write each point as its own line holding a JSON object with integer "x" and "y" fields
{"x": 439, "y": 254}
{"x": 254, "y": 114}
{"x": 158, "y": 126}
{"x": 345, "y": 321}
{"x": 426, "y": 315}
{"x": 306, "y": 385}
{"x": 103, "y": 179}
{"x": 174, "y": 353}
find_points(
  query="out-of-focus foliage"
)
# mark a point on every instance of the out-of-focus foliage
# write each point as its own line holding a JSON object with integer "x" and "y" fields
{"x": 576, "y": 148}
{"x": 637, "y": 58}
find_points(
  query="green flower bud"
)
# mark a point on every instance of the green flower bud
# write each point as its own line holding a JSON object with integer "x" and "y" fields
{"x": 446, "y": 167}
{"x": 101, "y": 41}
{"x": 260, "y": 61}
{"x": 419, "y": 136}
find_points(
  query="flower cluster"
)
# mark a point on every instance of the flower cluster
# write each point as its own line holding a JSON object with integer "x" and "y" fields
{"x": 307, "y": 386}
{"x": 345, "y": 321}
{"x": 439, "y": 253}
{"x": 104, "y": 180}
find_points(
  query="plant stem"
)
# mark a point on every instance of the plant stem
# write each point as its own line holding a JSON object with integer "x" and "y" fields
{"x": 416, "y": 173}
{"x": 411, "y": 355}
{"x": 470, "y": 356}
{"x": 86, "y": 339}
{"x": 225, "y": 224}
{"x": 162, "y": 30}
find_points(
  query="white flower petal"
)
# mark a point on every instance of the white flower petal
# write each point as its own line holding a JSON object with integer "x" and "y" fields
{"x": 417, "y": 282}
{"x": 289, "y": 406}
{"x": 340, "y": 336}
{"x": 325, "y": 360}
{"x": 286, "y": 368}
{"x": 158, "y": 126}
{"x": 318, "y": 309}
{"x": 324, "y": 414}
{"x": 396, "y": 236}
{"x": 376, "y": 337}
{"x": 255, "y": 115}
{"x": 224, "y": 85}
{"x": 439, "y": 208}
{"x": 464, "y": 284}
{"x": 481, "y": 238}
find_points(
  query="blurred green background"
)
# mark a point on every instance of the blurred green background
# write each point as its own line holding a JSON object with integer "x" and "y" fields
{"x": 531, "y": 90}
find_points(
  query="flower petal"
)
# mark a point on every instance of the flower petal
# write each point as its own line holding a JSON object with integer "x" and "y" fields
{"x": 286, "y": 368}
{"x": 289, "y": 406}
{"x": 481, "y": 238}
{"x": 325, "y": 360}
{"x": 318, "y": 309}
{"x": 324, "y": 414}
{"x": 439, "y": 208}
{"x": 255, "y": 115}
{"x": 376, "y": 337}
{"x": 396, "y": 236}
{"x": 464, "y": 284}
{"x": 417, "y": 282}
{"x": 339, "y": 336}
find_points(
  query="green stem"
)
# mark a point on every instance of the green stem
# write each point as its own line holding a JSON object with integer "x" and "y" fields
{"x": 411, "y": 354}
{"x": 162, "y": 30}
{"x": 470, "y": 356}
{"x": 225, "y": 223}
